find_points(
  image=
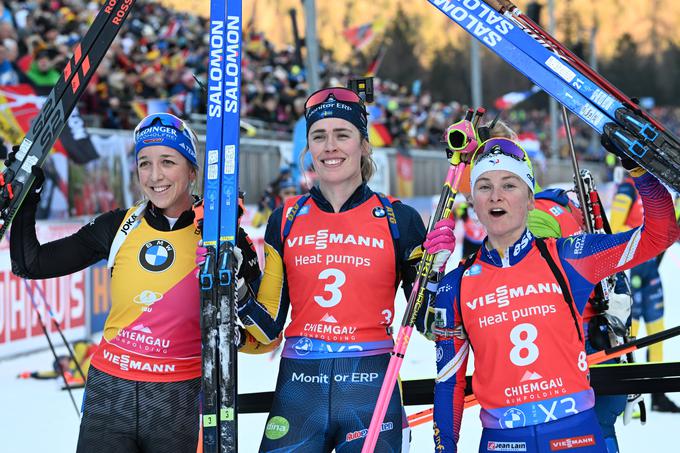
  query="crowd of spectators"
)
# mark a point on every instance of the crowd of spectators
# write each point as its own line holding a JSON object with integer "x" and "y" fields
{"x": 160, "y": 52}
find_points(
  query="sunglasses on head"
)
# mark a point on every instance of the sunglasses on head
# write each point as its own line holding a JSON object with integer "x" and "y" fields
{"x": 495, "y": 146}
{"x": 167, "y": 120}
{"x": 338, "y": 93}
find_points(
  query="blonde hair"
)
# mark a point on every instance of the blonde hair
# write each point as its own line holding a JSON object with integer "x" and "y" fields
{"x": 499, "y": 128}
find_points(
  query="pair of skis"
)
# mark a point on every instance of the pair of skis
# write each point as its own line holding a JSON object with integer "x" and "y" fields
{"x": 219, "y": 229}
{"x": 513, "y": 36}
{"x": 17, "y": 178}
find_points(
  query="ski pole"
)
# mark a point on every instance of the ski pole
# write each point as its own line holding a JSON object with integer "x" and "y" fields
{"x": 595, "y": 358}
{"x": 49, "y": 341}
{"x": 462, "y": 141}
{"x": 591, "y": 217}
{"x": 61, "y": 332}
{"x": 616, "y": 351}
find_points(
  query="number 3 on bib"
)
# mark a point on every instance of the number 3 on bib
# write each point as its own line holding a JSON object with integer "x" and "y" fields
{"x": 525, "y": 351}
{"x": 333, "y": 287}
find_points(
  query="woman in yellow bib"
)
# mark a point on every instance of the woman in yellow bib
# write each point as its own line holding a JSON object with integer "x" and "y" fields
{"x": 142, "y": 389}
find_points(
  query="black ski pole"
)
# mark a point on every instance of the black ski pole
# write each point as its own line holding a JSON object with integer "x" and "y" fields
{"x": 61, "y": 332}
{"x": 49, "y": 341}
{"x": 634, "y": 345}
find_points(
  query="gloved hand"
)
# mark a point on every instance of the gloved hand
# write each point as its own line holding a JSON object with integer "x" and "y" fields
{"x": 241, "y": 287}
{"x": 441, "y": 243}
{"x": 12, "y": 155}
{"x": 202, "y": 252}
{"x": 626, "y": 162}
{"x": 37, "y": 172}
{"x": 632, "y": 402}
{"x": 39, "y": 175}
{"x": 618, "y": 312}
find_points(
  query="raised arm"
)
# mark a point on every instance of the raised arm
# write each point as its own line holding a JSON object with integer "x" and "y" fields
{"x": 591, "y": 257}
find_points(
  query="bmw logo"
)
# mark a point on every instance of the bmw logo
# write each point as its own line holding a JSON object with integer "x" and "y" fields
{"x": 512, "y": 418}
{"x": 157, "y": 255}
{"x": 379, "y": 212}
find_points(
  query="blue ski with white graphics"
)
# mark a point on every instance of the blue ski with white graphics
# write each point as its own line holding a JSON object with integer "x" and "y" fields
{"x": 549, "y": 65}
{"x": 220, "y": 334}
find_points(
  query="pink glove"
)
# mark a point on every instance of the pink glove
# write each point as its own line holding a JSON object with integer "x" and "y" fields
{"x": 441, "y": 243}
{"x": 201, "y": 252}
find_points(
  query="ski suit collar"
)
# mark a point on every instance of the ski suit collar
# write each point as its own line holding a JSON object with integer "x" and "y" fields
{"x": 158, "y": 221}
{"x": 360, "y": 195}
{"x": 510, "y": 256}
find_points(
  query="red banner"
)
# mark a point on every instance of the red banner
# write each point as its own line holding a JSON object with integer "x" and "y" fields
{"x": 404, "y": 176}
{"x": 66, "y": 297}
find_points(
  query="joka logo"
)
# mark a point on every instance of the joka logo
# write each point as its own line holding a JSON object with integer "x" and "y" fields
{"x": 379, "y": 212}
{"x": 157, "y": 255}
{"x": 129, "y": 224}
{"x": 276, "y": 428}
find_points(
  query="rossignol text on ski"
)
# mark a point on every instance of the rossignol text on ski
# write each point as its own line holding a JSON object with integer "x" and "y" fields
{"x": 17, "y": 179}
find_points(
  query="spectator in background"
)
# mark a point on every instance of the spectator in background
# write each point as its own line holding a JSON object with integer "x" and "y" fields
{"x": 299, "y": 142}
{"x": 266, "y": 108}
{"x": 42, "y": 72}
{"x": 10, "y": 74}
{"x": 275, "y": 195}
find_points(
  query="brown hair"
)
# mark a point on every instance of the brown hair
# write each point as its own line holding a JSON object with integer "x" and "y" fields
{"x": 368, "y": 166}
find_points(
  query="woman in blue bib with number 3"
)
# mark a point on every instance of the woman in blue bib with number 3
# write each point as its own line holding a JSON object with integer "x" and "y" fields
{"x": 336, "y": 256}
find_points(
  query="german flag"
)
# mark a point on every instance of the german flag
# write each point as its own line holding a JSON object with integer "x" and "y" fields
{"x": 362, "y": 35}
{"x": 378, "y": 135}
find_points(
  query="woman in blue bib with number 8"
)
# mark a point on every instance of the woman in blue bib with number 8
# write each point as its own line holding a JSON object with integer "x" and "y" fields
{"x": 517, "y": 303}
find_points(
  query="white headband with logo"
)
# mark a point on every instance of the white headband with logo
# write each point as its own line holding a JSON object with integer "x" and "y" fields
{"x": 502, "y": 162}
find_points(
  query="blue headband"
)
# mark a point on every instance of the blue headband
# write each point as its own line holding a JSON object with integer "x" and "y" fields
{"x": 350, "y": 111}
{"x": 158, "y": 134}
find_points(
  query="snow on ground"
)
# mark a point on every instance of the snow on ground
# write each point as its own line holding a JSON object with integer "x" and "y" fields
{"x": 35, "y": 416}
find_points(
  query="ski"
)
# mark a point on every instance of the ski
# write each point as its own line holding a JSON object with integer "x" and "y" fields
{"x": 219, "y": 230}
{"x": 417, "y": 392}
{"x": 634, "y": 134}
{"x": 510, "y": 10}
{"x": 17, "y": 178}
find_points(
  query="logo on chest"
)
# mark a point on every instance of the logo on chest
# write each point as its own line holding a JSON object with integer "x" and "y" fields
{"x": 157, "y": 255}
{"x": 502, "y": 295}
